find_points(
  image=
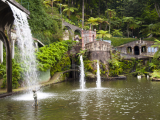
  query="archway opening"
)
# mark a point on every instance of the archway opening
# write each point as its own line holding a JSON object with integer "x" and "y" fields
{"x": 67, "y": 33}
{"x": 136, "y": 50}
{"x": 143, "y": 49}
{"x": 77, "y": 33}
{"x": 129, "y": 49}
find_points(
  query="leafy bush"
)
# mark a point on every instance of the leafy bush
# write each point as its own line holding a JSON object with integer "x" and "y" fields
{"x": 54, "y": 56}
{"x": 156, "y": 74}
{"x": 16, "y": 75}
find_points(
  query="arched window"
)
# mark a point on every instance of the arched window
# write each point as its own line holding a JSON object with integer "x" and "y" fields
{"x": 143, "y": 49}
{"x": 129, "y": 49}
{"x": 155, "y": 49}
{"x": 149, "y": 49}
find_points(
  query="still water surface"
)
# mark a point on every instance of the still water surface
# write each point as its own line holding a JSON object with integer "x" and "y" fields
{"x": 120, "y": 100}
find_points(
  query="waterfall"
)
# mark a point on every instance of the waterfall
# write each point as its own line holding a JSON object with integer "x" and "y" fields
{"x": 82, "y": 75}
{"x": 25, "y": 44}
{"x": 98, "y": 82}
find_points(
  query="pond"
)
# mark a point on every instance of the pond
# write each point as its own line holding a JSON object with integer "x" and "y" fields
{"x": 122, "y": 99}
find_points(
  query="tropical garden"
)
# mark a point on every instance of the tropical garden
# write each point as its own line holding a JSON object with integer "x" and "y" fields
{"x": 120, "y": 21}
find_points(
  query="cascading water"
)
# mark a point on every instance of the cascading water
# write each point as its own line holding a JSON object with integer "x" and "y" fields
{"x": 25, "y": 44}
{"x": 82, "y": 75}
{"x": 98, "y": 82}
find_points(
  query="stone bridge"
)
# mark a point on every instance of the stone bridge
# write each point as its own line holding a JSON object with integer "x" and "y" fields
{"x": 71, "y": 27}
{"x": 87, "y": 35}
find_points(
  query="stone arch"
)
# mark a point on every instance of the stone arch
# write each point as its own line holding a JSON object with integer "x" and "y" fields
{"x": 7, "y": 45}
{"x": 77, "y": 32}
{"x": 136, "y": 50}
{"x": 71, "y": 32}
{"x": 129, "y": 49}
{"x": 143, "y": 49}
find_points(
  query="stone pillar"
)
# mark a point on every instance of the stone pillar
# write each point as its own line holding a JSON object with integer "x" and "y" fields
{"x": 1, "y": 51}
{"x": 36, "y": 45}
{"x": 90, "y": 35}
{"x": 13, "y": 42}
{"x": 94, "y": 34}
{"x": 132, "y": 51}
{"x": 140, "y": 50}
{"x": 83, "y": 40}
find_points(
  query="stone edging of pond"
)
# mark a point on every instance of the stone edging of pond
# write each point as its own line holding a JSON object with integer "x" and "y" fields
{"x": 55, "y": 79}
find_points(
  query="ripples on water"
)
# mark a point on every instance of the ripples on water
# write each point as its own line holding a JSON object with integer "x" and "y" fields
{"x": 121, "y": 100}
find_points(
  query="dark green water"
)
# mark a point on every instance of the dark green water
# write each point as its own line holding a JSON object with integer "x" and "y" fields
{"x": 121, "y": 100}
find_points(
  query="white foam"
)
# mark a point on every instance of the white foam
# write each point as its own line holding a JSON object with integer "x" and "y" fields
{"x": 29, "y": 96}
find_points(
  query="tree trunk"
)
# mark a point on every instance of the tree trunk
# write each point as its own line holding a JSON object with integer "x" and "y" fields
{"x": 107, "y": 8}
{"x": 106, "y": 27}
{"x": 83, "y": 14}
{"x": 157, "y": 9}
{"x": 99, "y": 9}
{"x": 128, "y": 30}
{"x": 68, "y": 3}
{"x": 100, "y": 25}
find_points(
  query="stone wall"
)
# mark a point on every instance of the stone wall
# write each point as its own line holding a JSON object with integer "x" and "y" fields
{"x": 139, "y": 47}
{"x": 99, "y": 50}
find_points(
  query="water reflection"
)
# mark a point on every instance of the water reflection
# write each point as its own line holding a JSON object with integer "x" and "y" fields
{"x": 99, "y": 105}
{"x": 83, "y": 104}
{"x": 123, "y": 100}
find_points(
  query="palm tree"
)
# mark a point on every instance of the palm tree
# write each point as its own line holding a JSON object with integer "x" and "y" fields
{"x": 134, "y": 24}
{"x": 128, "y": 20}
{"x": 103, "y": 34}
{"x": 92, "y": 21}
{"x": 117, "y": 32}
{"x": 68, "y": 10}
{"x": 111, "y": 13}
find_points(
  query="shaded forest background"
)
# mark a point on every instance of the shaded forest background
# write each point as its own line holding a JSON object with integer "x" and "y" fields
{"x": 120, "y": 18}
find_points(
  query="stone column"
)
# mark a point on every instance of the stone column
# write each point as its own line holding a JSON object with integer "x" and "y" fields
{"x": 132, "y": 51}
{"x": 1, "y": 51}
{"x": 140, "y": 50}
{"x": 94, "y": 34}
{"x": 36, "y": 45}
{"x": 90, "y": 36}
{"x": 13, "y": 42}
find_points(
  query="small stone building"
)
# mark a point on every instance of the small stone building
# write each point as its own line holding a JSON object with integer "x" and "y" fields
{"x": 98, "y": 50}
{"x": 139, "y": 48}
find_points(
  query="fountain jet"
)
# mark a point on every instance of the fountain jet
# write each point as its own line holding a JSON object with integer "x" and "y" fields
{"x": 82, "y": 75}
{"x": 98, "y": 82}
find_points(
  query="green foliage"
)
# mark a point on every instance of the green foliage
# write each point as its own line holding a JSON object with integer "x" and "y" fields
{"x": 118, "y": 33}
{"x": 88, "y": 65}
{"x": 68, "y": 10}
{"x": 16, "y": 74}
{"x": 103, "y": 34}
{"x": 49, "y": 56}
{"x": 65, "y": 61}
{"x": 127, "y": 65}
{"x": 115, "y": 65}
{"x": 44, "y": 24}
{"x": 155, "y": 74}
{"x": 117, "y": 41}
{"x": 140, "y": 68}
